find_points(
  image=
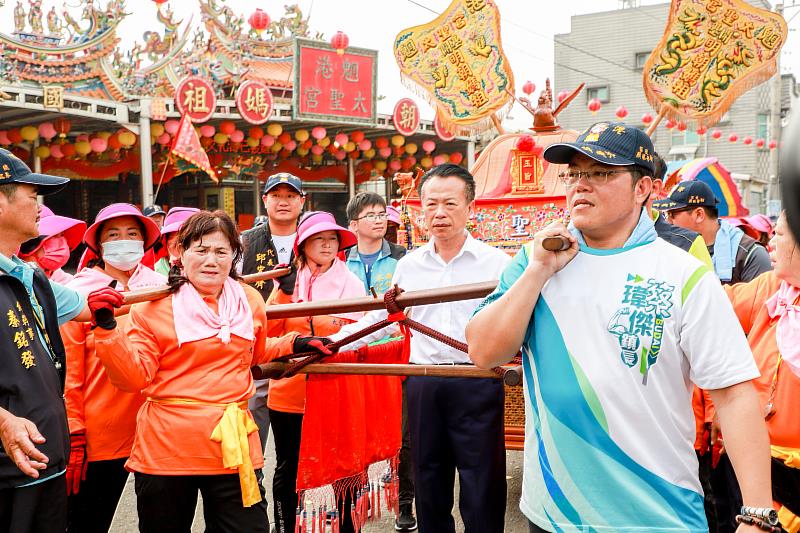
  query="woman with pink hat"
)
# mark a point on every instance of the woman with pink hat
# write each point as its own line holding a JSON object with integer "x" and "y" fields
{"x": 58, "y": 236}
{"x": 102, "y": 418}
{"x": 393, "y": 223}
{"x": 320, "y": 275}
{"x": 169, "y": 236}
{"x": 763, "y": 225}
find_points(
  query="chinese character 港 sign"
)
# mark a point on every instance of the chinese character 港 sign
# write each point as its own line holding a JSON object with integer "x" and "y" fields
{"x": 333, "y": 87}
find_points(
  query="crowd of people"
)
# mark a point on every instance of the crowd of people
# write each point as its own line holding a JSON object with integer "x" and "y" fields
{"x": 660, "y": 348}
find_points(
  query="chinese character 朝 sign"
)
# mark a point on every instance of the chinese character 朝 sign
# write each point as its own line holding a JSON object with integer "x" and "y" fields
{"x": 334, "y": 87}
{"x": 458, "y": 60}
{"x": 711, "y": 52}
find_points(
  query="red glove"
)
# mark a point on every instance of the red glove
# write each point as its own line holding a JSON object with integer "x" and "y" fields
{"x": 102, "y": 303}
{"x": 76, "y": 468}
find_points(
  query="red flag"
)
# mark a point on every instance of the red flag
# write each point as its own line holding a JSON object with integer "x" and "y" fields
{"x": 187, "y": 146}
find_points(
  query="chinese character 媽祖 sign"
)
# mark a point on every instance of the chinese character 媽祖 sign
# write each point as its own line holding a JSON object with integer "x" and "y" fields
{"x": 458, "y": 60}
{"x": 254, "y": 101}
{"x": 712, "y": 51}
{"x": 195, "y": 97}
{"x": 334, "y": 87}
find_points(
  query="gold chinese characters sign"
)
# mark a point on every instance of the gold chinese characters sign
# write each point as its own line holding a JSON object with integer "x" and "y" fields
{"x": 458, "y": 61}
{"x": 712, "y": 51}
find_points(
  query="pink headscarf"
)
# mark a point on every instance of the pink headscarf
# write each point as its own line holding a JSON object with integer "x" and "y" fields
{"x": 783, "y": 304}
{"x": 91, "y": 279}
{"x": 195, "y": 320}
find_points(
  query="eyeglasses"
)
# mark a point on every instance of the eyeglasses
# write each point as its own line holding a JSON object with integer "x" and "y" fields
{"x": 593, "y": 177}
{"x": 672, "y": 214}
{"x": 372, "y": 217}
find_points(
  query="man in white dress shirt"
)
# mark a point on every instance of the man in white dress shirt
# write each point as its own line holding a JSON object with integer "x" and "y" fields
{"x": 455, "y": 423}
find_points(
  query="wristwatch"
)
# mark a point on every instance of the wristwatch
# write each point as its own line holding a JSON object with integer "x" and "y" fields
{"x": 767, "y": 514}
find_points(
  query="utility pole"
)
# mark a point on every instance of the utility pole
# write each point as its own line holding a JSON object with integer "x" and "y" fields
{"x": 773, "y": 188}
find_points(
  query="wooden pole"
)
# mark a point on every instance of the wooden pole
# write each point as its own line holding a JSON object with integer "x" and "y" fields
{"x": 512, "y": 376}
{"x": 407, "y": 299}
{"x": 156, "y": 293}
{"x": 661, "y": 114}
{"x": 496, "y": 122}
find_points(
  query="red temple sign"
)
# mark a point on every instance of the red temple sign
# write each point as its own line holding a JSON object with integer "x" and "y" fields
{"x": 195, "y": 97}
{"x": 406, "y": 116}
{"x": 254, "y": 101}
{"x": 442, "y": 131}
{"x": 332, "y": 87}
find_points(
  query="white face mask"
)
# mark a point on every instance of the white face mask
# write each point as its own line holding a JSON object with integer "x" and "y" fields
{"x": 124, "y": 255}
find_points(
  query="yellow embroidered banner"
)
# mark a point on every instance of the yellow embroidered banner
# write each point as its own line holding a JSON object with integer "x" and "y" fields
{"x": 712, "y": 51}
{"x": 458, "y": 62}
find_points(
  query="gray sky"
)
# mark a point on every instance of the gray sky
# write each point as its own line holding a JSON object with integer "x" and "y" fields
{"x": 527, "y": 32}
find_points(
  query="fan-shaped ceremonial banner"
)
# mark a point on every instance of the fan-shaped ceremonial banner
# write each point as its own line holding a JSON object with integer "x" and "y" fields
{"x": 712, "y": 51}
{"x": 457, "y": 62}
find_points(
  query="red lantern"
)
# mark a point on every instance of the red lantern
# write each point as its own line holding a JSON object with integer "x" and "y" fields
{"x": 621, "y": 112}
{"x": 772, "y": 145}
{"x": 339, "y": 42}
{"x": 760, "y": 143}
{"x": 259, "y": 21}
{"x": 733, "y": 137}
{"x": 227, "y": 127}
{"x": 671, "y": 124}
{"x": 562, "y": 95}
{"x": 456, "y": 158}
{"x": 159, "y": 2}
{"x": 62, "y": 126}
{"x": 357, "y": 136}
{"x": 528, "y": 87}
{"x": 381, "y": 142}
{"x": 682, "y": 126}
{"x": 747, "y": 140}
{"x": 702, "y": 130}
{"x": 647, "y": 118}
{"x": 716, "y": 134}
{"x": 594, "y": 105}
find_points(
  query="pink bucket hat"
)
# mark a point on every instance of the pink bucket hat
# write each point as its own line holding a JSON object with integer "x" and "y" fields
{"x": 392, "y": 214}
{"x": 743, "y": 224}
{"x": 176, "y": 217}
{"x": 319, "y": 221}
{"x": 761, "y": 223}
{"x": 151, "y": 230}
{"x": 51, "y": 224}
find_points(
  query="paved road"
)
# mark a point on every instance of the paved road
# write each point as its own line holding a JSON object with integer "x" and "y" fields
{"x": 125, "y": 520}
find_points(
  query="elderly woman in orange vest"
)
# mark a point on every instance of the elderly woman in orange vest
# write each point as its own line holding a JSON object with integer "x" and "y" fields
{"x": 102, "y": 418}
{"x": 321, "y": 275}
{"x": 769, "y": 310}
{"x": 190, "y": 355}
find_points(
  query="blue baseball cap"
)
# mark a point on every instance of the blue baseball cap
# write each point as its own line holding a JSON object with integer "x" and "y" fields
{"x": 610, "y": 143}
{"x": 14, "y": 170}
{"x": 685, "y": 194}
{"x": 284, "y": 178}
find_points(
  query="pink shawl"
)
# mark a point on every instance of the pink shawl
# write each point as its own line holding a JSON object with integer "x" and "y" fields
{"x": 782, "y": 305}
{"x": 195, "y": 320}
{"x": 335, "y": 284}
{"x": 91, "y": 279}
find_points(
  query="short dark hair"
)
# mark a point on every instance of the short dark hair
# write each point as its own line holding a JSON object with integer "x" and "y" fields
{"x": 711, "y": 212}
{"x": 660, "y": 172}
{"x": 195, "y": 228}
{"x": 448, "y": 170}
{"x": 361, "y": 201}
{"x": 8, "y": 189}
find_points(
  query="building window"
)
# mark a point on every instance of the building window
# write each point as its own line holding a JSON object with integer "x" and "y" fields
{"x": 601, "y": 93}
{"x": 762, "y": 127}
{"x": 683, "y": 138}
{"x": 640, "y": 59}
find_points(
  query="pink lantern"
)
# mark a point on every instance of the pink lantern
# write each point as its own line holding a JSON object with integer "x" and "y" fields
{"x": 440, "y": 159}
{"x": 291, "y": 145}
{"x": 561, "y": 95}
{"x": 318, "y": 133}
{"x": 594, "y": 106}
{"x": 163, "y": 139}
{"x": 716, "y": 134}
{"x": 670, "y": 124}
{"x": 428, "y": 146}
{"x": 621, "y": 112}
{"x": 747, "y": 140}
{"x": 55, "y": 151}
{"x": 207, "y": 130}
{"x": 385, "y": 152}
{"x": 702, "y": 130}
{"x": 4, "y": 140}
{"x": 237, "y": 136}
{"x": 647, "y": 118}
{"x": 172, "y": 126}
{"x": 98, "y": 145}
{"x": 267, "y": 141}
{"x": 681, "y": 126}
{"x": 365, "y": 145}
{"x": 47, "y": 130}
{"x": 528, "y": 87}
{"x": 760, "y": 143}
{"x": 733, "y": 137}
{"x": 772, "y": 145}
{"x": 394, "y": 165}
{"x": 82, "y": 137}
{"x": 317, "y": 150}
{"x": 340, "y": 155}
{"x": 341, "y": 139}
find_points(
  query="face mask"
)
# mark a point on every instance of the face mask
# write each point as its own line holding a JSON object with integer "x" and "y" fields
{"x": 56, "y": 254}
{"x": 123, "y": 255}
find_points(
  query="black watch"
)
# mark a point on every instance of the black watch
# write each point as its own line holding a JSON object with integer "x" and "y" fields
{"x": 767, "y": 514}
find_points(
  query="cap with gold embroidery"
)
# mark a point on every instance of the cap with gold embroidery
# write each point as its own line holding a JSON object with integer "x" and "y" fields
{"x": 685, "y": 194}
{"x": 14, "y": 170}
{"x": 284, "y": 178}
{"x": 610, "y": 143}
